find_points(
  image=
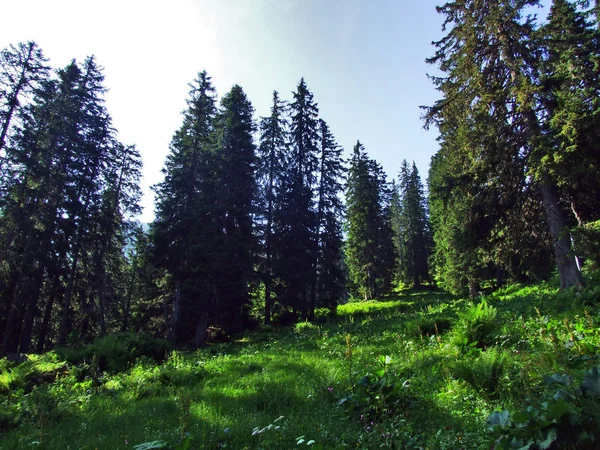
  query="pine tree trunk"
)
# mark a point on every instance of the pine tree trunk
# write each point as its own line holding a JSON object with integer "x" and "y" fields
{"x": 568, "y": 271}
{"x": 173, "y": 335}
{"x": 10, "y": 343}
{"x": 65, "y": 316}
{"x": 29, "y": 318}
{"x": 200, "y": 337}
{"x": 473, "y": 289}
{"x": 47, "y": 315}
{"x": 268, "y": 300}
{"x": 130, "y": 290}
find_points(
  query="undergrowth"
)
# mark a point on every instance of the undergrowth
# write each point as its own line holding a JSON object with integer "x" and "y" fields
{"x": 422, "y": 371}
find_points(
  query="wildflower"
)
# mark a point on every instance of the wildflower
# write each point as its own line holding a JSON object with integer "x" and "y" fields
{"x": 330, "y": 389}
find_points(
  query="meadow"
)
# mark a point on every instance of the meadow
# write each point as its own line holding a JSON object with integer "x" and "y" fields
{"x": 517, "y": 368}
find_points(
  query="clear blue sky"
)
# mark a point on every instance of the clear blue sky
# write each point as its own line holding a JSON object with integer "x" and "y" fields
{"x": 362, "y": 59}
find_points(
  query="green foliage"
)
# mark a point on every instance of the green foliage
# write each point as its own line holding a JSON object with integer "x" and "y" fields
{"x": 37, "y": 369}
{"x": 118, "y": 351}
{"x": 425, "y": 394}
{"x": 587, "y": 242}
{"x": 483, "y": 372}
{"x": 376, "y": 395}
{"x": 561, "y": 418}
{"x": 475, "y": 326}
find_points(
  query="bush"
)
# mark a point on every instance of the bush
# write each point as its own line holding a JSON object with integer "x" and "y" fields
{"x": 587, "y": 242}
{"x": 484, "y": 372}
{"x": 306, "y": 328}
{"x": 115, "y": 352}
{"x": 476, "y": 326}
{"x": 566, "y": 416}
{"x": 428, "y": 326}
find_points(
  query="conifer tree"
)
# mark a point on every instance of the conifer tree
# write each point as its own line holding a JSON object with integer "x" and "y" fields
{"x": 570, "y": 84}
{"x": 235, "y": 156}
{"x": 414, "y": 240}
{"x": 295, "y": 222}
{"x": 328, "y": 273}
{"x": 60, "y": 165}
{"x": 22, "y": 69}
{"x": 272, "y": 153}
{"x": 370, "y": 252}
{"x": 186, "y": 220}
{"x": 489, "y": 108}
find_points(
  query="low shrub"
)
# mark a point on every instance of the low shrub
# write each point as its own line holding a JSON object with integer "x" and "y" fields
{"x": 483, "y": 373}
{"x": 428, "y": 325}
{"x": 475, "y": 326}
{"x": 115, "y": 352}
{"x": 306, "y": 328}
{"x": 565, "y": 416}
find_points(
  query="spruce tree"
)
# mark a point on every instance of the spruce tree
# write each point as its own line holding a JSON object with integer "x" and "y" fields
{"x": 295, "y": 221}
{"x": 328, "y": 272}
{"x": 22, "y": 69}
{"x": 370, "y": 251}
{"x": 489, "y": 108}
{"x": 235, "y": 157}
{"x": 186, "y": 218}
{"x": 413, "y": 227}
{"x": 272, "y": 153}
{"x": 60, "y": 160}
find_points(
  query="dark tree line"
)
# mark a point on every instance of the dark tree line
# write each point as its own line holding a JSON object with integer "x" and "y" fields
{"x": 518, "y": 162}
{"x": 67, "y": 190}
{"x": 387, "y": 228}
{"x": 240, "y": 224}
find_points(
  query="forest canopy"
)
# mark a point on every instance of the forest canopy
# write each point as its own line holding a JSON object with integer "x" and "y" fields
{"x": 264, "y": 220}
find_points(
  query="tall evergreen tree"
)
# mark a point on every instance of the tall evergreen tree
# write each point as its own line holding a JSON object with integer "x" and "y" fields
{"x": 569, "y": 88}
{"x": 414, "y": 239}
{"x": 328, "y": 272}
{"x": 235, "y": 153}
{"x": 60, "y": 160}
{"x": 370, "y": 251}
{"x": 491, "y": 60}
{"x": 295, "y": 223}
{"x": 272, "y": 153}
{"x": 22, "y": 69}
{"x": 186, "y": 220}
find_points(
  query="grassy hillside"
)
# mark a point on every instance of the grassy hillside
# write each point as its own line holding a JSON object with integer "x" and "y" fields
{"x": 420, "y": 371}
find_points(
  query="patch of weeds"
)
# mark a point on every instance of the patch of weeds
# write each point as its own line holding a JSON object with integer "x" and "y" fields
{"x": 306, "y": 328}
{"x": 484, "y": 372}
{"x": 476, "y": 325}
{"x": 428, "y": 325}
{"x": 116, "y": 352}
{"x": 375, "y": 396}
{"x": 565, "y": 416}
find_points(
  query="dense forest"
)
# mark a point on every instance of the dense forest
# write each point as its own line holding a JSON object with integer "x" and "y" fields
{"x": 264, "y": 221}
{"x": 249, "y": 218}
{"x": 289, "y": 294}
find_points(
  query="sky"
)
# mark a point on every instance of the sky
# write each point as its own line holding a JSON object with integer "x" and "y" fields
{"x": 364, "y": 61}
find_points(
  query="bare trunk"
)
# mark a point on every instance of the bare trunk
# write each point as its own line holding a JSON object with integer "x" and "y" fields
{"x": 268, "y": 300}
{"x": 173, "y": 335}
{"x": 130, "y": 291}
{"x": 66, "y": 316}
{"x": 47, "y": 315}
{"x": 200, "y": 337}
{"x": 473, "y": 289}
{"x": 568, "y": 272}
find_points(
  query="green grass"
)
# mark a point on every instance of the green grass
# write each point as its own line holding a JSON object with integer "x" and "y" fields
{"x": 281, "y": 389}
